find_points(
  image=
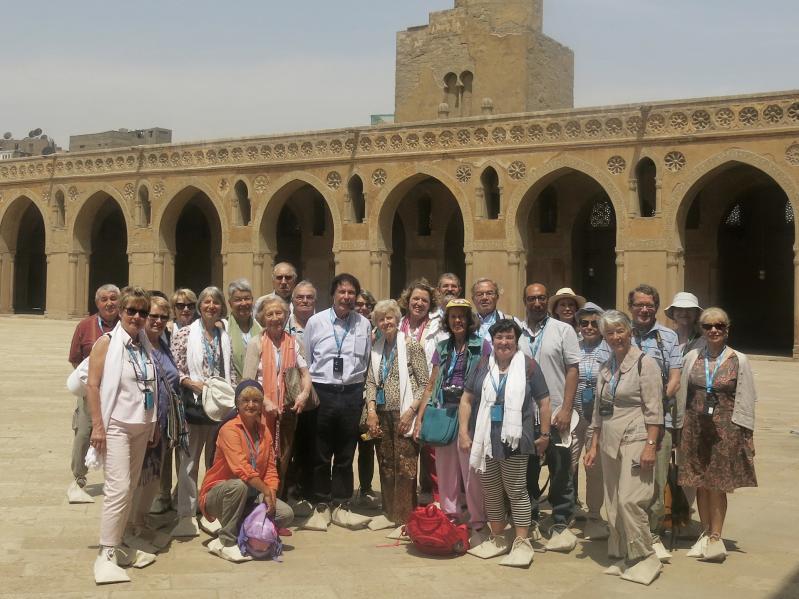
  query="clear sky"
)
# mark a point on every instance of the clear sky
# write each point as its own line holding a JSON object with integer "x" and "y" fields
{"x": 210, "y": 69}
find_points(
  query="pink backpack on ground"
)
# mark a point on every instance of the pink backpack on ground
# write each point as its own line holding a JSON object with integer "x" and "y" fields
{"x": 258, "y": 536}
{"x": 433, "y": 533}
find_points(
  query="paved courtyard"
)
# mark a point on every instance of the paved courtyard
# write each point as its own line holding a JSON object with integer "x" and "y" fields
{"x": 47, "y": 546}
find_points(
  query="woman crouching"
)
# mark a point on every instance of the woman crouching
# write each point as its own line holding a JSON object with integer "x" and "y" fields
{"x": 244, "y": 468}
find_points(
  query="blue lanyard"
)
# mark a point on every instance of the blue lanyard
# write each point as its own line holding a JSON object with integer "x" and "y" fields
{"x": 339, "y": 343}
{"x": 499, "y": 389}
{"x": 254, "y": 452}
{"x": 210, "y": 351}
{"x": 453, "y": 362}
{"x": 587, "y": 367}
{"x": 388, "y": 362}
{"x": 139, "y": 367}
{"x": 488, "y": 321}
{"x": 539, "y": 338}
{"x": 614, "y": 381}
{"x": 100, "y": 325}
{"x": 708, "y": 377}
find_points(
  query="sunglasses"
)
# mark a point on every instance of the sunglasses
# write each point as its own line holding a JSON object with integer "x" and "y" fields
{"x": 181, "y": 306}
{"x": 133, "y": 311}
{"x": 721, "y": 326}
{"x": 590, "y": 323}
{"x": 161, "y": 317}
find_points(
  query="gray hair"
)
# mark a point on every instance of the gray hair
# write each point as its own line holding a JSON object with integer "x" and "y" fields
{"x": 267, "y": 300}
{"x": 289, "y": 264}
{"x": 216, "y": 294}
{"x": 107, "y": 288}
{"x": 385, "y": 307}
{"x": 614, "y": 318}
{"x": 304, "y": 283}
{"x": 452, "y": 277}
{"x": 239, "y": 285}
{"x": 486, "y": 280}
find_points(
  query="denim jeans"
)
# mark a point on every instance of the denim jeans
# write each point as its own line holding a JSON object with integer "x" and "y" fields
{"x": 561, "y": 488}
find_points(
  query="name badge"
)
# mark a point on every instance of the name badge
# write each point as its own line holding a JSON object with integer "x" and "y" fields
{"x": 497, "y": 412}
{"x": 710, "y": 405}
{"x": 587, "y": 395}
{"x": 148, "y": 399}
{"x": 338, "y": 365}
{"x": 380, "y": 398}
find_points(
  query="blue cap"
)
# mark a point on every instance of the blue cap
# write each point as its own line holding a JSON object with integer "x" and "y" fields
{"x": 590, "y": 308}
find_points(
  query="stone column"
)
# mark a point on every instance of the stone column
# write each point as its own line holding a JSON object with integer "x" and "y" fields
{"x": 7, "y": 282}
{"x": 621, "y": 283}
{"x": 796, "y": 303}
{"x": 380, "y": 273}
{"x": 675, "y": 264}
{"x": 517, "y": 281}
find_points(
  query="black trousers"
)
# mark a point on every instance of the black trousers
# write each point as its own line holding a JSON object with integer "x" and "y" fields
{"x": 337, "y": 420}
{"x": 366, "y": 464}
{"x": 302, "y": 463}
{"x": 561, "y": 488}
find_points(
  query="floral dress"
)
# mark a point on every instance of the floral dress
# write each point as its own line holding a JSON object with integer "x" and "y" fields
{"x": 716, "y": 453}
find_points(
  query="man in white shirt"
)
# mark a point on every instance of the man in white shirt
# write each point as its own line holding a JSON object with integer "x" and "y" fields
{"x": 554, "y": 345}
{"x": 338, "y": 345}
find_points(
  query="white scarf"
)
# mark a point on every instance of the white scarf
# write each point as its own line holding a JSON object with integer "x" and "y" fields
{"x": 112, "y": 370}
{"x": 515, "y": 389}
{"x": 406, "y": 392}
{"x": 195, "y": 352}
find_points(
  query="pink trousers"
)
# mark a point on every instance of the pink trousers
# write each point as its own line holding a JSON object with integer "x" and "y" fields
{"x": 452, "y": 467}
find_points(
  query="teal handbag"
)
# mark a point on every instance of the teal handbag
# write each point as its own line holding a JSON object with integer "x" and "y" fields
{"x": 440, "y": 424}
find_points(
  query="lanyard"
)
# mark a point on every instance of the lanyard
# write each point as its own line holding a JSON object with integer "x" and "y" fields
{"x": 587, "y": 365}
{"x": 406, "y": 328}
{"x": 614, "y": 380}
{"x": 210, "y": 351}
{"x": 388, "y": 362}
{"x": 139, "y": 367}
{"x": 453, "y": 362}
{"x": 488, "y": 321}
{"x": 253, "y": 452}
{"x": 499, "y": 388}
{"x": 339, "y": 344}
{"x": 708, "y": 377}
{"x": 539, "y": 338}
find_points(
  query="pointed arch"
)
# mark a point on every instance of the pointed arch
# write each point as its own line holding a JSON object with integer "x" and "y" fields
{"x": 23, "y": 261}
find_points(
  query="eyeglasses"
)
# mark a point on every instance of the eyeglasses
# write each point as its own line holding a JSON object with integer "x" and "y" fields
{"x": 304, "y": 298}
{"x": 255, "y": 400}
{"x": 485, "y": 294}
{"x": 284, "y": 277}
{"x": 594, "y": 324}
{"x": 645, "y": 306}
{"x": 364, "y": 305}
{"x": 161, "y": 317}
{"x": 721, "y": 326}
{"x": 133, "y": 311}
{"x": 180, "y": 306}
{"x": 536, "y": 298}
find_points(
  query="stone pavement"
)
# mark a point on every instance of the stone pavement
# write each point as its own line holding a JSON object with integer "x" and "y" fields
{"x": 47, "y": 546}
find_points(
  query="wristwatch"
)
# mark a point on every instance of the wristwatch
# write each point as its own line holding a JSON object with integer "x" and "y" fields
{"x": 650, "y": 442}
{"x": 546, "y": 435}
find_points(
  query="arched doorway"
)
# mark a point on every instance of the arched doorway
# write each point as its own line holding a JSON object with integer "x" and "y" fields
{"x": 738, "y": 235}
{"x": 568, "y": 226}
{"x": 192, "y": 232}
{"x": 422, "y": 224}
{"x": 23, "y": 234}
{"x": 297, "y": 227}
{"x": 101, "y": 233}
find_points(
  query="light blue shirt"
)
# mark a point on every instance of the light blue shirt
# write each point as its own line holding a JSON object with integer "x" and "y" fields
{"x": 668, "y": 353}
{"x": 321, "y": 347}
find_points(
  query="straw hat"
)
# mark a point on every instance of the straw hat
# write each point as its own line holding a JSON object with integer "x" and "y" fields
{"x": 683, "y": 300}
{"x": 564, "y": 293}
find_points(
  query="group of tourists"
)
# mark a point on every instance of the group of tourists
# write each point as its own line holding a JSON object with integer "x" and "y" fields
{"x": 462, "y": 404}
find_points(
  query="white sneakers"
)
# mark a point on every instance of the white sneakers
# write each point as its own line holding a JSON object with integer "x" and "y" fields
{"x": 343, "y": 516}
{"x": 643, "y": 572}
{"x": 698, "y": 548}
{"x": 320, "y": 519}
{"x": 493, "y": 546}
{"x": 381, "y": 522}
{"x": 715, "y": 551}
{"x": 128, "y": 556}
{"x": 209, "y": 527}
{"x": 186, "y": 527}
{"x": 231, "y": 554}
{"x": 660, "y": 551}
{"x": 479, "y": 537}
{"x": 76, "y": 493}
{"x": 595, "y": 530}
{"x": 521, "y": 554}
{"x": 561, "y": 539}
{"x": 302, "y": 507}
{"x": 106, "y": 569}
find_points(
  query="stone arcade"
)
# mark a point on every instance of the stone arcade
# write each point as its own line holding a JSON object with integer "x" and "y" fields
{"x": 487, "y": 172}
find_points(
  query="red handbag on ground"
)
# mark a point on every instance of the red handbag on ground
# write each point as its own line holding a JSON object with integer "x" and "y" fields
{"x": 432, "y": 532}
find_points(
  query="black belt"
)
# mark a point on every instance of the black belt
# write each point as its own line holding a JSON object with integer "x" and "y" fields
{"x": 338, "y": 388}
